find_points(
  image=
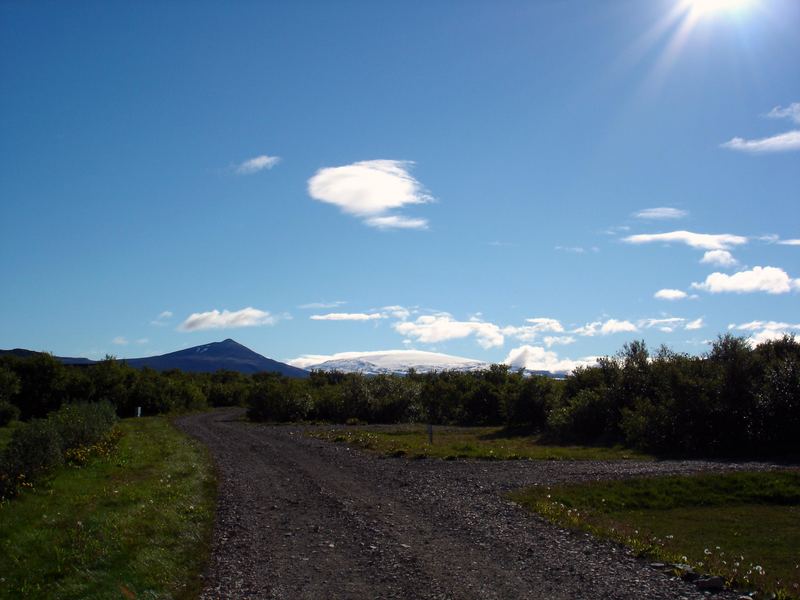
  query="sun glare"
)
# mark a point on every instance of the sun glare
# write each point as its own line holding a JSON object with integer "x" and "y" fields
{"x": 702, "y": 8}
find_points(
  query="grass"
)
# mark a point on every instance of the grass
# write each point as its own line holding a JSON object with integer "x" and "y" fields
{"x": 136, "y": 524}
{"x": 488, "y": 443}
{"x": 742, "y": 526}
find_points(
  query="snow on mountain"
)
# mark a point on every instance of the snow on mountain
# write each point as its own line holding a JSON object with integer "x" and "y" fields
{"x": 386, "y": 362}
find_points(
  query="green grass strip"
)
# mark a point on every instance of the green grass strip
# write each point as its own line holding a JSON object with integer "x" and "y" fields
{"x": 485, "y": 443}
{"x": 742, "y": 526}
{"x": 136, "y": 524}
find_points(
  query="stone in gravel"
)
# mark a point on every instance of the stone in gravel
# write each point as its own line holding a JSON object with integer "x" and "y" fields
{"x": 710, "y": 583}
{"x": 657, "y": 565}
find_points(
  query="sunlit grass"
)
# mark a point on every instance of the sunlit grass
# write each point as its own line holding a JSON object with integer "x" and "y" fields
{"x": 487, "y": 443}
{"x": 135, "y": 524}
{"x": 743, "y": 526}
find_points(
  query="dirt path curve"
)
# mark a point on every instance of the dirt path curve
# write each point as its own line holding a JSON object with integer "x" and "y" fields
{"x": 300, "y": 518}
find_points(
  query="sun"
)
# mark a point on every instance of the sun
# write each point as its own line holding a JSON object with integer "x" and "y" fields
{"x": 704, "y": 8}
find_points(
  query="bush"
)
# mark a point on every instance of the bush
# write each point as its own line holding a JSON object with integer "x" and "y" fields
{"x": 280, "y": 400}
{"x": 83, "y": 424}
{"x": 34, "y": 449}
{"x": 8, "y": 413}
{"x": 41, "y": 445}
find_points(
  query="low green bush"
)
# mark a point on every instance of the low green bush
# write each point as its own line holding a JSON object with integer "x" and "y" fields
{"x": 8, "y": 413}
{"x": 40, "y": 445}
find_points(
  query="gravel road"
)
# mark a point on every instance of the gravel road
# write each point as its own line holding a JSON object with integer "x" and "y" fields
{"x": 302, "y": 518}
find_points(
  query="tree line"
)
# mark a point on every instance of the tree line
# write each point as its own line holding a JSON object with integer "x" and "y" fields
{"x": 735, "y": 400}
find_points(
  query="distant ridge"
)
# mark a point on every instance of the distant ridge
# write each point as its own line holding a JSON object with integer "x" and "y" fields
{"x": 208, "y": 358}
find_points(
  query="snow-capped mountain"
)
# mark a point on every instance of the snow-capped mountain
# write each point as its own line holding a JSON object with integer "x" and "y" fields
{"x": 388, "y": 361}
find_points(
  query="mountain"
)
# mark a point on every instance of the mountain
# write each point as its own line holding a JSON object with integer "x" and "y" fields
{"x": 393, "y": 361}
{"x": 207, "y": 358}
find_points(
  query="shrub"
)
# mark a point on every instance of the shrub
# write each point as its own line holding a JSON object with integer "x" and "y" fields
{"x": 83, "y": 424}
{"x": 276, "y": 399}
{"x": 34, "y": 449}
{"x": 8, "y": 413}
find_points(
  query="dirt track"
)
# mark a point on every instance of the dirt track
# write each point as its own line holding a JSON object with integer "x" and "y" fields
{"x": 300, "y": 518}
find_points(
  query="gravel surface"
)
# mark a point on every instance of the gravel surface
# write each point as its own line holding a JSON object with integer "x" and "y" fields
{"x": 302, "y": 518}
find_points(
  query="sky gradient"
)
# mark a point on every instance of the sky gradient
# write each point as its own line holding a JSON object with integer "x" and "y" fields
{"x": 534, "y": 182}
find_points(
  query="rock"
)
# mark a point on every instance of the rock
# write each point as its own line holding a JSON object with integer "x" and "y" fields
{"x": 710, "y": 583}
{"x": 657, "y": 565}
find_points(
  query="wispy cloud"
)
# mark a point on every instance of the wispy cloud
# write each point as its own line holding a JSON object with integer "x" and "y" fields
{"x": 696, "y": 324}
{"x": 317, "y": 305}
{"x": 771, "y": 280}
{"x": 348, "y": 317}
{"x": 764, "y": 331}
{"x": 720, "y": 258}
{"x": 703, "y": 241}
{"x": 256, "y": 164}
{"x": 558, "y": 340}
{"x": 214, "y": 319}
{"x": 791, "y": 112}
{"x": 789, "y": 242}
{"x": 397, "y": 222}
{"x": 430, "y": 329}
{"x": 670, "y": 294}
{"x": 120, "y": 341}
{"x": 370, "y": 190}
{"x": 608, "y": 327}
{"x": 535, "y": 326}
{"x": 783, "y": 142}
{"x": 161, "y": 319}
{"x": 571, "y": 249}
{"x": 536, "y": 358}
{"x": 661, "y": 213}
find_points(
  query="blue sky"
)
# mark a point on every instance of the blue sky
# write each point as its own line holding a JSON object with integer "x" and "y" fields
{"x": 487, "y": 171}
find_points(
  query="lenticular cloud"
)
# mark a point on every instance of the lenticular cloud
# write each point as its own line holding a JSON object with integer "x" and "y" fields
{"x": 371, "y": 190}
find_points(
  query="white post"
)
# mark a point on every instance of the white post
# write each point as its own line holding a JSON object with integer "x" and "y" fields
{"x": 138, "y": 411}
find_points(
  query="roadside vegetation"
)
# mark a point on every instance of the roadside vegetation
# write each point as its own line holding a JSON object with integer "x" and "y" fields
{"x": 485, "y": 443}
{"x": 744, "y": 527}
{"x": 132, "y": 521}
{"x": 736, "y": 401}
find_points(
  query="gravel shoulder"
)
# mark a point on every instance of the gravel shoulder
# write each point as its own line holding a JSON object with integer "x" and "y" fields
{"x": 302, "y": 518}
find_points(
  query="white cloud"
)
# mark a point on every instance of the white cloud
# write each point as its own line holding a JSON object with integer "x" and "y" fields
{"x": 430, "y": 329}
{"x": 789, "y": 242}
{"x": 703, "y": 241}
{"x": 322, "y": 304}
{"x": 398, "y": 312}
{"x": 667, "y": 322}
{"x": 791, "y": 112}
{"x": 772, "y": 280}
{"x": 721, "y": 258}
{"x": 161, "y": 319}
{"x": 661, "y": 212}
{"x": 696, "y": 324}
{"x": 571, "y": 249}
{"x": 670, "y": 294}
{"x": 396, "y": 222}
{"x": 783, "y": 142}
{"x": 558, "y": 340}
{"x": 348, "y": 317}
{"x": 120, "y": 341}
{"x": 528, "y": 333}
{"x": 214, "y": 319}
{"x": 256, "y": 164}
{"x": 536, "y": 358}
{"x": 605, "y": 328}
{"x": 370, "y": 190}
{"x": 764, "y": 331}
